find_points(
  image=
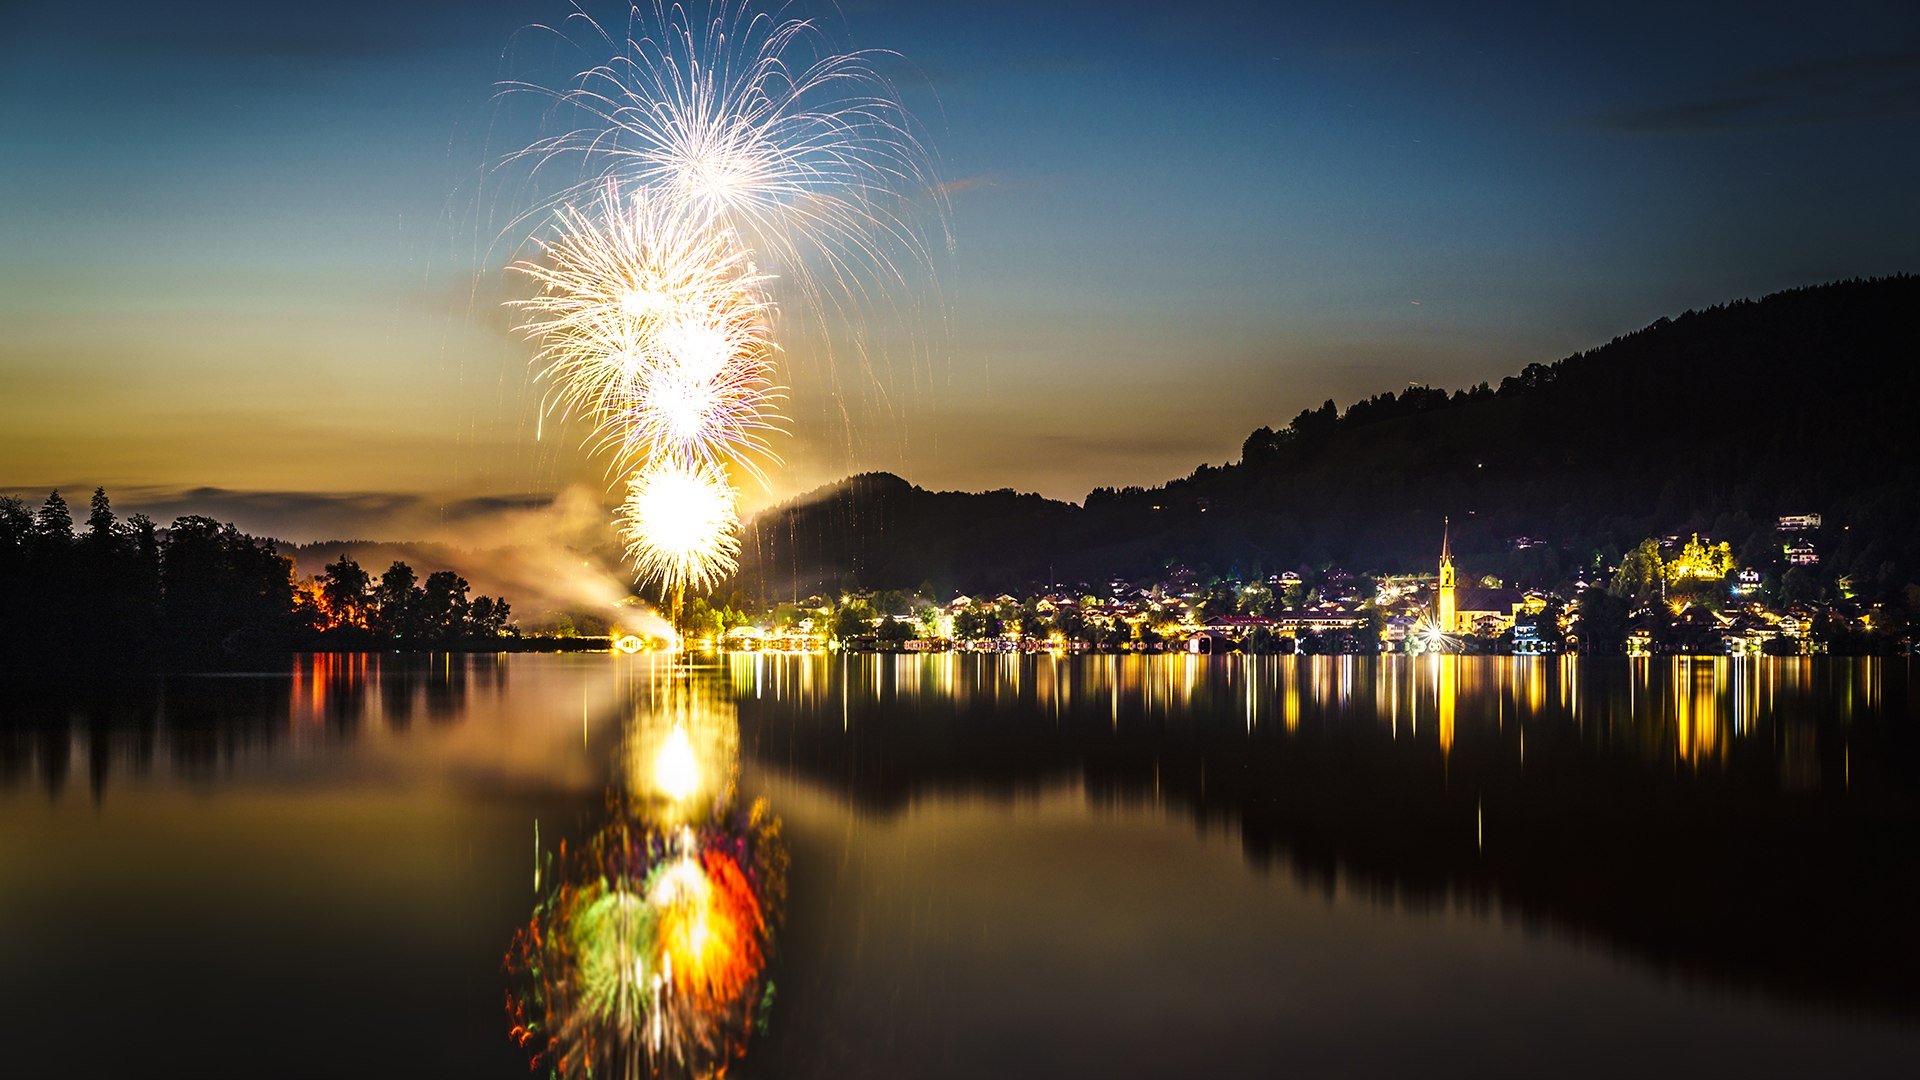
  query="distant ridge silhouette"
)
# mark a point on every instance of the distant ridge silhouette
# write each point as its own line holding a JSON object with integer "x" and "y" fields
{"x": 1713, "y": 421}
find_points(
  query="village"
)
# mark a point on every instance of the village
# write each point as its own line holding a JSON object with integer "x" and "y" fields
{"x": 1675, "y": 595}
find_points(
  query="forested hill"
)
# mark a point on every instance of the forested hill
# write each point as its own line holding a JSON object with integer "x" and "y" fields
{"x": 877, "y": 528}
{"x": 1715, "y": 421}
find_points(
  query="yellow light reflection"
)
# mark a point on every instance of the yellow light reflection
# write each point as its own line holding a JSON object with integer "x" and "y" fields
{"x": 682, "y": 751}
{"x": 675, "y": 772}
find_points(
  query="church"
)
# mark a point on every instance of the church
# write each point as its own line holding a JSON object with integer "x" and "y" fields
{"x": 1470, "y": 610}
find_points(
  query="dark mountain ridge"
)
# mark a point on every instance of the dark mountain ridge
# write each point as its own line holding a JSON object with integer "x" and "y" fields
{"x": 1714, "y": 421}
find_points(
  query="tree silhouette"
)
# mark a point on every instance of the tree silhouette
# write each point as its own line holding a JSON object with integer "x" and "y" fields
{"x": 1642, "y": 575}
{"x": 442, "y": 603}
{"x": 100, "y": 521}
{"x": 396, "y": 601}
{"x": 54, "y": 524}
{"x": 347, "y": 588}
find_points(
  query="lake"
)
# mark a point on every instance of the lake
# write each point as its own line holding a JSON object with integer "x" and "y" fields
{"x": 965, "y": 866}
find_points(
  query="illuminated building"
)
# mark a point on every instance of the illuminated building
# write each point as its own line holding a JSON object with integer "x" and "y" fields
{"x": 1327, "y": 618}
{"x": 1699, "y": 560}
{"x": 1528, "y": 642}
{"x": 1470, "y": 610}
{"x": 1207, "y": 642}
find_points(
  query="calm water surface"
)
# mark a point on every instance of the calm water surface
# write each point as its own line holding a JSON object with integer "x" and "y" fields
{"x": 1111, "y": 867}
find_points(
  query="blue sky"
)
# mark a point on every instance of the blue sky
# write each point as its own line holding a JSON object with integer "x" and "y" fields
{"x": 258, "y": 247}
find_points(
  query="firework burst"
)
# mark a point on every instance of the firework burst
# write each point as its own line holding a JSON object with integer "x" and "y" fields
{"x": 710, "y": 398}
{"x": 756, "y": 118}
{"x": 680, "y": 525}
{"x": 716, "y": 139}
{"x": 653, "y": 327}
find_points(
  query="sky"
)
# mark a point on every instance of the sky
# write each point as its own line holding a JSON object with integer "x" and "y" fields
{"x": 251, "y": 255}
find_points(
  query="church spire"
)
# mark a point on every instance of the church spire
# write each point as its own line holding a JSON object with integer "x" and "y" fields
{"x": 1446, "y": 549}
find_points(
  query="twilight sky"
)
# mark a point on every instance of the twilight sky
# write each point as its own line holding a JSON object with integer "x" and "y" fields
{"x": 250, "y": 254}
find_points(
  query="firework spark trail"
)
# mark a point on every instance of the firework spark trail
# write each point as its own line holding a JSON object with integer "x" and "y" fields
{"x": 722, "y": 137}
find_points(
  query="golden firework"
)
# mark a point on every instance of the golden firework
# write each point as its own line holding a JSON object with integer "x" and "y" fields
{"x": 718, "y": 138}
{"x": 680, "y": 525}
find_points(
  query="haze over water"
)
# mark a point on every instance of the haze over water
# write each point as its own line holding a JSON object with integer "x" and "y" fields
{"x": 1117, "y": 866}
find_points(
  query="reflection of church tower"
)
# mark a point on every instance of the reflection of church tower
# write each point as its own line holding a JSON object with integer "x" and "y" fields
{"x": 1443, "y": 603}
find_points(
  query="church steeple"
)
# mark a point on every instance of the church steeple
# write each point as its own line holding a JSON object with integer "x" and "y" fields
{"x": 1443, "y": 606}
